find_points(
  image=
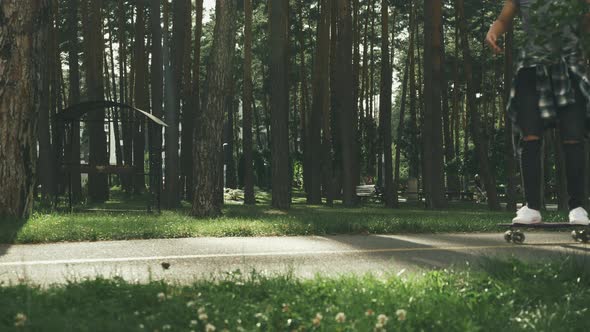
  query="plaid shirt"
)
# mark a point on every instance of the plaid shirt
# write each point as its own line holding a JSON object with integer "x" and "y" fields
{"x": 554, "y": 83}
{"x": 555, "y": 63}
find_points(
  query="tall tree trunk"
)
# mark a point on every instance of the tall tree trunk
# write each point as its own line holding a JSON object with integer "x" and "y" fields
{"x": 141, "y": 100}
{"x": 345, "y": 99}
{"x": 173, "y": 100}
{"x": 480, "y": 142}
{"x": 413, "y": 128}
{"x": 208, "y": 151}
{"x": 98, "y": 190}
{"x": 249, "y": 197}
{"x": 157, "y": 88}
{"x": 335, "y": 116}
{"x": 22, "y": 64}
{"x": 46, "y": 161}
{"x": 279, "y": 41}
{"x": 116, "y": 114}
{"x": 324, "y": 98}
{"x": 74, "y": 97}
{"x": 370, "y": 119}
{"x": 364, "y": 84}
{"x": 320, "y": 87}
{"x": 452, "y": 177}
{"x": 196, "y": 95}
{"x": 385, "y": 107}
{"x": 356, "y": 59}
{"x": 400, "y": 130}
{"x": 456, "y": 93}
{"x": 303, "y": 104}
{"x": 510, "y": 158}
{"x": 433, "y": 131}
{"x": 126, "y": 117}
{"x": 231, "y": 180}
{"x": 188, "y": 109}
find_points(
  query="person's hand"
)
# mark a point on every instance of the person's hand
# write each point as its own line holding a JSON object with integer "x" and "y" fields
{"x": 492, "y": 41}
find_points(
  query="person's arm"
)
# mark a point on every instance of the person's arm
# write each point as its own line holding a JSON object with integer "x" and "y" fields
{"x": 501, "y": 25}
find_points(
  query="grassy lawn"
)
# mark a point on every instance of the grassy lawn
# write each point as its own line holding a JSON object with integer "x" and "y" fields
{"x": 260, "y": 220}
{"x": 504, "y": 296}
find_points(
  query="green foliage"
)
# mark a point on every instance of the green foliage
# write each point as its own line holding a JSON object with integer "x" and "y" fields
{"x": 550, "y": 19}
{"x": 260, "y": 220}
{"x": 496, "y": 296}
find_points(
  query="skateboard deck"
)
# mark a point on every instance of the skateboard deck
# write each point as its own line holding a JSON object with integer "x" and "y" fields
{"x": 543, "y": 225}
{"x": 580, "y": 233}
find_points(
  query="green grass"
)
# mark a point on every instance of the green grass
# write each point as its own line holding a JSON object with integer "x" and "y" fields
{"x": 240, "y": 220}
{"x": 503, "y": 296}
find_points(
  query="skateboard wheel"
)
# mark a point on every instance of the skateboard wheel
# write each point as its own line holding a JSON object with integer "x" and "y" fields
{"x": 584, "y": 236}
{"x": 508, "y": 236}
{"x": 575, "y": 235}
{"x": 518, "y": 237}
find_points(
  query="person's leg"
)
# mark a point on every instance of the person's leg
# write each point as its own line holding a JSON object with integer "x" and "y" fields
{"x": 532, "y": 126}
{"x": 572, "y": 124}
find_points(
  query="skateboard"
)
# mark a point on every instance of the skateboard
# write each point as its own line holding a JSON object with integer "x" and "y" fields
{"x": 580, "y": 233}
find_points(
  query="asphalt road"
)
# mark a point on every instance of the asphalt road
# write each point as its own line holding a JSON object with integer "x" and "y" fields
{"x": 195, "y": 258}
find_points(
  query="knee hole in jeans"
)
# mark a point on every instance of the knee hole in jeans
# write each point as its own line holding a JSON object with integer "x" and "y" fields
{"x": 531, "y": 138}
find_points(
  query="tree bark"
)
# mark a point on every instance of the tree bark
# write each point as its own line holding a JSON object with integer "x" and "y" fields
{"x": 74, "y": 96}
{"x": 173, "y": 89}
{"x": 23, "y": 38}
{"x": 249, "y": 197}
{"x": 385, "y": 108}
{"x": 126, "y": 117}
{"x": 279, "y": 41}
{"x": 400, "y": 130}
{"x": 98, "y": 189}
{"x": 188, "y": 109}
{"x": 323, "y": 99}
{"x": 208, "y": 150}
{"x": 433, "y": 131}
{"x": 480, "y": 142}
{"x": 413, "y": 128}
{"x": 313, "y": 142}
{"x": 356, "y": 59}
{"x": 141, "y": 100}
{"x": 46, "y": 161}
{"x": 195, "y": 101}
{"x": 157, "y": 89}
{"x": 345, "y": 99}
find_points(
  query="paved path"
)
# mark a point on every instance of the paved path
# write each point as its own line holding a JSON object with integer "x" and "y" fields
{"x": 194, "y": 258}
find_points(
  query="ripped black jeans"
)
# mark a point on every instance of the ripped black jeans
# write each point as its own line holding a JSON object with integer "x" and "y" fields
{"x": 571, "y": 123}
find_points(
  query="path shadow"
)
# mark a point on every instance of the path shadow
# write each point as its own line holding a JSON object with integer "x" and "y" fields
{"x": 9, "y": 229}
{"x": 447, "y": 252}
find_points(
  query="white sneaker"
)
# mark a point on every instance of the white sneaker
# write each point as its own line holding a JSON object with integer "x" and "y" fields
{"x": 527, "y": 216}
{"x": 579, "y": 216}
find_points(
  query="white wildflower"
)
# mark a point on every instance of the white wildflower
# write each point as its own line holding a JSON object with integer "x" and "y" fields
{"x": 193, "y": 323}
{"x": 209, "y": 328}
{"x": 190, "y": 304}
{"x": 203, "y": 316}
{"x": 161, "y": 297}
{"x": 379, "y": 328}
{"x": 340, "y": 317}
{"x": 166, "y": 327}
{"x": 317, "y": 320}
{"x": 20, "y": 319}
{"x": 382, "y": 319}
{"x": 401, "y": 314}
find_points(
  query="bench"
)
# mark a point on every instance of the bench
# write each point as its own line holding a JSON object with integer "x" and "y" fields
{"x": 367, "y": 192}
